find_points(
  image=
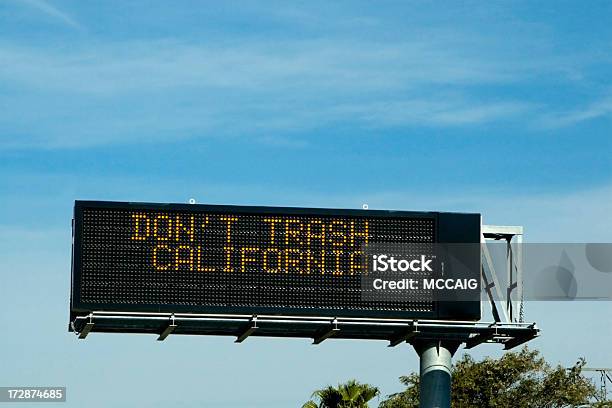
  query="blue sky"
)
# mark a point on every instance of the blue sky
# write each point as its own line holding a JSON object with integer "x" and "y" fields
{"x": 502, "y": 108}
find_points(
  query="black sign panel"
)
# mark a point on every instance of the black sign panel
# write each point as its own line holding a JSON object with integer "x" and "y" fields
{"x": 252, "y": 260}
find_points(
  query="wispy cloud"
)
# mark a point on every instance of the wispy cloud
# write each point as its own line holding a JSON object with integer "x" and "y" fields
{"x": 598, "y": 109}
{"x": 333, "y": 65}
{"x": 433, "y": 111}
{"x": 285, "y": 142}
{"x": 151, "y": 90}
{"x": 53, "y": 12}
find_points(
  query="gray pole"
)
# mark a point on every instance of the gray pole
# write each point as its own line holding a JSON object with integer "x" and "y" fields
{"x": 435, "y": 379}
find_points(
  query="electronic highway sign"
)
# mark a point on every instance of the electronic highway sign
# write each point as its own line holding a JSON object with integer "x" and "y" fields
{"x": 192, "y": 258}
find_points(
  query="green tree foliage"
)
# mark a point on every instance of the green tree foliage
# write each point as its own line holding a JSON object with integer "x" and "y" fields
{"x": 405, "y": 399}
{"x": 348, "y": 395}
{"x": 519, "y": 379}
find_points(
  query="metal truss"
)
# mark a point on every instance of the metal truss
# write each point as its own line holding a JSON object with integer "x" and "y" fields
{"x": 604, "y": 378}
{"x": 395, "y": 331}
{"x": 507, "y": 300}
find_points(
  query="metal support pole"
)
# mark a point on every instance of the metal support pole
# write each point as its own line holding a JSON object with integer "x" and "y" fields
{"x": 435, "y": 378}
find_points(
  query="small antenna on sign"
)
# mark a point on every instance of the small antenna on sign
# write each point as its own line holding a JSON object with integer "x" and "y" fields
{"x": 364, "y": 206}
{"x": 192, "y": 201}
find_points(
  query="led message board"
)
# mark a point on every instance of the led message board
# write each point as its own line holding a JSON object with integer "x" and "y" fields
{"x": 256, "y": 260}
